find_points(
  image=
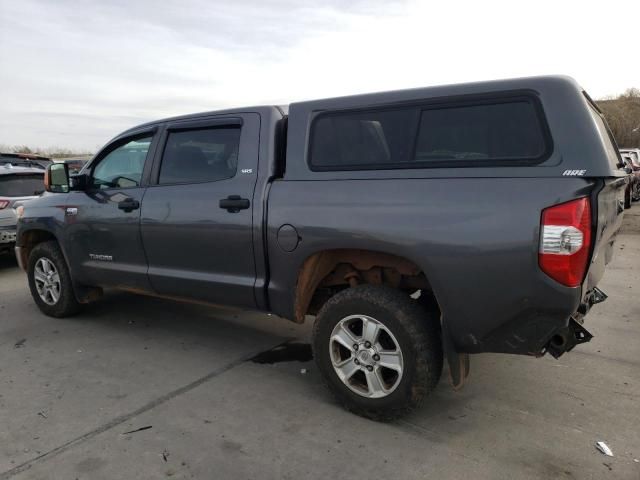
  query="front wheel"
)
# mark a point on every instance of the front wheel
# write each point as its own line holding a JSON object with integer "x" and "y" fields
{"x": 379, "y": 351}
{"x": 50, "y": 281}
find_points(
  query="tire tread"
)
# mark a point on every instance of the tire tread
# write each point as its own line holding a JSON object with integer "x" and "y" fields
{"x": 68, "y": 305}
{"x": 421, "y": 326}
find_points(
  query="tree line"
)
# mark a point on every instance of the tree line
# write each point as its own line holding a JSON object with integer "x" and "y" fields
{"x": 52, "y": 152}
{"x": 623, "y": 116}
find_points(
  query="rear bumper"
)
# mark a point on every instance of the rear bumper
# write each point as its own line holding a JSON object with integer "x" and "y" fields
{"x": 7, "y": 235}
{"x": 7, "y": 239}
{"x": 565, "y": 338}
{"x": 539, "y": 331}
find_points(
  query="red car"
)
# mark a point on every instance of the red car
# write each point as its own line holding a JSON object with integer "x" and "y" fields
{"x": 628, "y": 167}
{"x": 633, "y": 154}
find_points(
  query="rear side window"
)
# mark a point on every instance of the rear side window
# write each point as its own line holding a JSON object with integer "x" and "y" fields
{"x": 363, "y": 139}
{"x": 501, "y": 132}
{"x": 21, "y": 185}
{"x": 606, "y": 137}
{"x": 202, "y": 155}
{"x": 505, "y": 131}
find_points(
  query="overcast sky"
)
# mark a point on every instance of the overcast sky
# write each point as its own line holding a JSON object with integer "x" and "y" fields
{"x": 75, "y": 73}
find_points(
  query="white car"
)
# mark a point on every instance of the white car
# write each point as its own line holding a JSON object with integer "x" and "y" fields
{"x": 17, "y": 184}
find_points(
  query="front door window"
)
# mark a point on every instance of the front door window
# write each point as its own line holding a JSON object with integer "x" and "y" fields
{"x": 122, "y": 167}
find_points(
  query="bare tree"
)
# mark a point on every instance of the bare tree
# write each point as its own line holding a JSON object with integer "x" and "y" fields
{"x": 22, "y": 149}
{"x": 52, "y": 152}
{"x": 623, "y": 116}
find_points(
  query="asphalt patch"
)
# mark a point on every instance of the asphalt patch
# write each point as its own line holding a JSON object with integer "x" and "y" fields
{"x": 287, "y": 352}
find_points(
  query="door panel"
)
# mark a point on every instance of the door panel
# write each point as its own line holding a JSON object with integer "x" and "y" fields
{"x": 106, "y": 247}
{"x": 195, "y": 248}
{"x": 103, "y": 222}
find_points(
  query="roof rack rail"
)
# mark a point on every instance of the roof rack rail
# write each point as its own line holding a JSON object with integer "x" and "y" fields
{"x": 21, "y": 162}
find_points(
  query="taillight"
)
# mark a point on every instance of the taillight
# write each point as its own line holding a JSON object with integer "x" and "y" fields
{"x": 4, "y": 204}
{"x": 565, "y": 240}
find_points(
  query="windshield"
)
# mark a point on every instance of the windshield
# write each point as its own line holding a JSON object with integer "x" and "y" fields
{"x": 21, "y": 185}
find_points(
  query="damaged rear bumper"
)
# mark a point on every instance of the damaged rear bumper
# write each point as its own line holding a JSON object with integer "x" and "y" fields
{"x": 537, "y": 331}
{"x": 564, "y": 339}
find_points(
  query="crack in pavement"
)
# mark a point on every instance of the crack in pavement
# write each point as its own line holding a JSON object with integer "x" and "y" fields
{"x": 128, "y": 416}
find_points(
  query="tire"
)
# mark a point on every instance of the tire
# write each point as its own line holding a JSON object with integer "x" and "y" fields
{"x": 401, "y": 321}
{"x": 64, "y": 304}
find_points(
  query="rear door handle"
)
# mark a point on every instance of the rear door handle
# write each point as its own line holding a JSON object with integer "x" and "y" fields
{"x": 233, "y": 203}
{"x": 129, "y": 205}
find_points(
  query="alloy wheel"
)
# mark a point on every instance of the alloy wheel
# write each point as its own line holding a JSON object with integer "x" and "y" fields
{"x": 366, "y": 356}
{"x": 47, "y": 281}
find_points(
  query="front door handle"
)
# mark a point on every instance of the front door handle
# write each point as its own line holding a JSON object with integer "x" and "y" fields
{"x": 129, "y": 205}
{"x": 233, "y": 203}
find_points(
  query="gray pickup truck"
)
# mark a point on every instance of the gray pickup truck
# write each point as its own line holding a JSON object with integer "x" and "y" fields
{"x": 416, "y": 225}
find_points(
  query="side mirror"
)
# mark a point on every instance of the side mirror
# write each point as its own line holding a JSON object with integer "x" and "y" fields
{"x": 79, "y": 181}
{"x": 56, "y": 178}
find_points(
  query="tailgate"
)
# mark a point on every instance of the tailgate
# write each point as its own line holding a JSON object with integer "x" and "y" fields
{"x": 609, "y": 208}
{"x": 607, "y": 204}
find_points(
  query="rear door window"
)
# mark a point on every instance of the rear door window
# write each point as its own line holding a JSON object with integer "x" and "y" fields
{"x": 200, "y": 155}
{"x": 21, "y": 185}
{"x": 496, "y": 132}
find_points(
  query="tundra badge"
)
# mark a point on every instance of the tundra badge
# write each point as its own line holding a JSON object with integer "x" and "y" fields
{"x": 104, "y": 258}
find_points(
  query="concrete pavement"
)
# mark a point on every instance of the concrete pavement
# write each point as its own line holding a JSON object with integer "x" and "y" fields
{"x": 71, "y": 389}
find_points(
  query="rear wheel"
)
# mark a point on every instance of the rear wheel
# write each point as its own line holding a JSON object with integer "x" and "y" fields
{"x": 379, "y": 351}
{"x": 50, "y": 281}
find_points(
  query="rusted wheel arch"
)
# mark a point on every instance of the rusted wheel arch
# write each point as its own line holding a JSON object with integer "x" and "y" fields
{"x": 349, "y": 267}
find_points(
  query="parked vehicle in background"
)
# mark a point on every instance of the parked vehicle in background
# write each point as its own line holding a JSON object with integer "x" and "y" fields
{"x": 74, "y": 164}
{"x": 17, "y": 184}
{"x": 416, "y": 225}
{"x": 634, "y": 155}
{"x": 628, "y": 169}
{"x": 25, "y": 159}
